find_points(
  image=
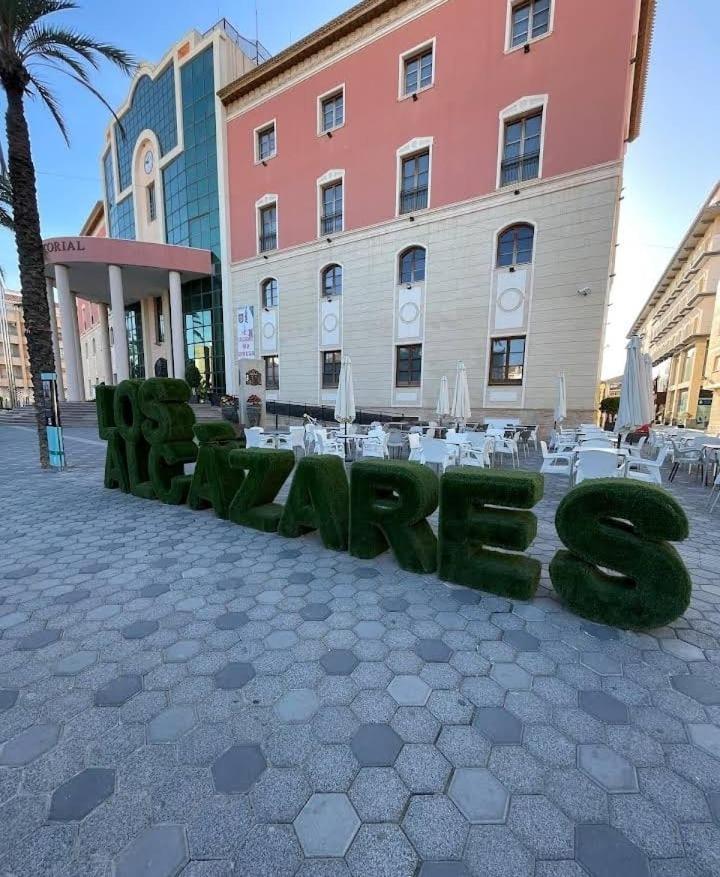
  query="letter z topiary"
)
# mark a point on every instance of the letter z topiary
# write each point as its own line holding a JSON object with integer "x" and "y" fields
{"x": 318, "y": 500}
{"x": 389, "y": 502}
{"x": 265, "y": 471}
{"x": 479, "y": 512}
{"x": 622, "y": 525}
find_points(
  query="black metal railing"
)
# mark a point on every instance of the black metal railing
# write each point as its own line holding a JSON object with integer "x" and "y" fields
{"x": 413, "y": 199}
{"x": 331, "y": 222}
{"x": 515, "y": 170}
{"x": 284, "y": 412}
{"x": 268, "y": 241}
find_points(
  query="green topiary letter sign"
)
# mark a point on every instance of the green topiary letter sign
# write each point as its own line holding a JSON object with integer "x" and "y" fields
{"x": 622, "y": 525}
{"x": 265, "y": 471}
{"x": 318, "y": 500}
{"x": 214, "y": 483}
{"x": 478, "y": 513}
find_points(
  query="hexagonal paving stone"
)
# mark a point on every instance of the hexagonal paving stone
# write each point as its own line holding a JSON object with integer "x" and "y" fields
{"x": 434, "y": 827}
{"x": 326, "y": 825}
{"x": 478, "y": 795}
{"x": 599, "y": 631}
{"x": 376, "y": 745}
{"x": 522, "y": 640}
{"x": 184, "y": 650}
{"x": 75, "y": 663}
{"x": 423, "y": 768}
{"x": 71, "y": 597}
{"x": 315, "y": 612}
{"x": 235, "y": 771}
{"x": 154, "y": 590}
{"x": 161, "y": 851}
{"x": 339, "y": 662}
{"x": 443, "y": 869}
{"x": 369, "y": 630}
{"x": 394, "y": 604}
{"x": 8, "y": 697}
{"x": 698, "y": 688}
{"x": 433, "y": 650}
{"x": 300, "y": 578}
{"x": 378, "y": 794}
{"x": 498, "y": 725}
{"x": 38, "y": 640}
{"x": 118, "y": 691}
{"x": 707, "y": 737}
{"x": 366, "y": 572}
{"x": 605, "y": 852}
{"x": 299, "y": 705}
{"x": 231, "y": 621}
{"x": 606, "y": 767}
{"x": 74, "y": 799}
{"x": 381, "y": 850}
{"x": 409, "y": 690}
{"x": 511, "y": 676}
{"x": 29, "y": 745}
{"x": 140, "y": 629}
{"x": 281, "y": 639}
{"x": 604, "y": 707}
{"x": 171, "y": 724}
{"x": 234, "y": 675}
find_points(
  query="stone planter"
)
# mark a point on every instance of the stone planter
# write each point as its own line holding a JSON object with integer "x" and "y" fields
{"x": 253, "y": 414}
{"x": 230, "y": 412}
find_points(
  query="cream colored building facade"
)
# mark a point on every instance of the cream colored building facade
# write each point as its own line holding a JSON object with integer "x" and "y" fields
{"x": 680, "y": 324}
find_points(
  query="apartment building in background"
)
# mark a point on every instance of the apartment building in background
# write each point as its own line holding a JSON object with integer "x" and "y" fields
{"x": 680, "y": 325}
{"x": 425, "y": 181}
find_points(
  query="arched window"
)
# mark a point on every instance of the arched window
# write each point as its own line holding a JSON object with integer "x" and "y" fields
{"x": 332, "y": 280}
{"x": 412, "y": 265}
{"x": 515, "y": 246}
{"x": 270, "y": 297}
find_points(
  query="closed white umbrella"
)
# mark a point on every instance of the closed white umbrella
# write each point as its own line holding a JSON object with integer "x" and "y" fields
{"x": 561, "y": 400}
{"x": 442, "y": 409}
{"x": 345, "y": 401}
{"x": 633, "y": 408}
{"x": 648, "y": 388}
{"x": 461, "y": 397}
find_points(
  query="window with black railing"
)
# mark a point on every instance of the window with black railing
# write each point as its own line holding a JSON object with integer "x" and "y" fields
{"x": 272, "y": 372}
{"x": 331, "y": 363}
{"x": 521, "y": 150}
{"x": 268, "y": 228}
{"x": 414, "y": 183}
{"x": 332, "y": 208}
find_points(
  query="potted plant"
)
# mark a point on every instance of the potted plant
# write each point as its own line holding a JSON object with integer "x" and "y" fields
{"x": 193, "y": 377}
{"x": 229, "y": 408}
{"x": 253, "y": 406}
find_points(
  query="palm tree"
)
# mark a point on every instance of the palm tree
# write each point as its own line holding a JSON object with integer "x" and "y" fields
{"x": 29, "y": 42}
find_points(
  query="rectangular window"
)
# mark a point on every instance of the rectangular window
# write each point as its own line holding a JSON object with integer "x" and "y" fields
{"x": 414, "y": 182}
{"x": 408, "y": 365}
{"x": 688, "y": 365}
{"x": 521, "y": 149}
{"x": 266, "y": 142}
{"x": 507, "y": 361}
{"x": 332, "y": 208}
{"x": 529, "y": 21}
{"x": 331, "y": 361}
{"x": 151, "y": 203}
{"x": 159, "y": 320}
{"x": 15, "y": 350}
{"x": 94, "y": 347}
{"x": 272, "y": 372}
{"x": 418, "y": 71}
{"x": 268, "y": 228}
{"x": 332, "y": 111}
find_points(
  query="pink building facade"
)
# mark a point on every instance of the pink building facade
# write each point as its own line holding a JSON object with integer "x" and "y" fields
{"x": 423, "y": 181}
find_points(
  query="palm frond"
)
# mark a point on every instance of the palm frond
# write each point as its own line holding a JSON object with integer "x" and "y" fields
{"x": 6, "y": 218}
{"x": 40, "y": 38}
{"x": 51, "y": 102}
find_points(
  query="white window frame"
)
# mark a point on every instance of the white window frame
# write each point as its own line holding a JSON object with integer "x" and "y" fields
{"x": 271, "y": 123}
{"x": 511, "y": 5}
{"x": 261, "y": 291}
{"x": 267, "y": 201}
{"x": 337, "y": 175}
{"x": 332, "y": 92}
{"x": 417, "y": 144}
{"x": 405, "y": 56}
{"x": 321, "y": 278}
{"x": 525, "y": 106}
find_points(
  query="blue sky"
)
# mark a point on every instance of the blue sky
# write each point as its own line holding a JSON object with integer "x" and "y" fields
{"x": 669, "y": 172}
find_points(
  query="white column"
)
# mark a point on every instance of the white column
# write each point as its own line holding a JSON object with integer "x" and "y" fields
{"x": 176, "y": 326}
{"x": 68, "y": 314}
{"x": 78, "y": 349}
{"x": 55, "y": 338}
{"x": 117, "y": 303}
{"x": 107, "y": 374}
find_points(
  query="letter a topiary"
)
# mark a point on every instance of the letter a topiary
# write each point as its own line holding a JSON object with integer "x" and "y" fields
{"x": 266, "y": 470}
{"x": 214, "y": 483}
{"x": 389, "y": 502}
{"x": 471, "y": 525}
{"x": 622, "y": 525}
{"x": 318, "y": 500}
{"x": 104, "y": 405}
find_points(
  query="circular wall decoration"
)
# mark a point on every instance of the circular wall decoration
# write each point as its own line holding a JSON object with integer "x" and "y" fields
{"x": 510, "y": 300}
{"x": 409, "y": 312}
{"x": 268, "y": 330}
{"x": 330, "y": 322}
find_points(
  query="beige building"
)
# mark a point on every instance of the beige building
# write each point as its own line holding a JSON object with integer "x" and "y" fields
{"x": 680, "y": 324}
{"x": 15, "y": 379}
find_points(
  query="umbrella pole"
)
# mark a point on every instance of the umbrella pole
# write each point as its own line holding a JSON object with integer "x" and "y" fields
{"x": 347, "y": 460}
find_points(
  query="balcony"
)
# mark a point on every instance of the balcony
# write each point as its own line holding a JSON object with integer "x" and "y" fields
{"x": 413, "y": 199}
{"x": 267, "y": 241}
{"x": 518, "y": 170}
{"x": 331, "y": 223}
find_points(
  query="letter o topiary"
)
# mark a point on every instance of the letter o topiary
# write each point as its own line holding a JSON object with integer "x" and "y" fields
{"x": 622, "y": 525}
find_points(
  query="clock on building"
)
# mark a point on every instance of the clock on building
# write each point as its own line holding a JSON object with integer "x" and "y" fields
{"x": 149, "y": 161}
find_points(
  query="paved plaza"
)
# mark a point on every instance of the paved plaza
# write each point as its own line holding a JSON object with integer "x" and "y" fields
{"x": 183, "y": 696}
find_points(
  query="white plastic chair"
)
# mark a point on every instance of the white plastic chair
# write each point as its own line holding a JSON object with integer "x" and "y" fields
{"x": 507, "y": 447}
{"x": 284, "y": 442}
{"x": 253, "y": 437}
{"x": 435, "y": 452}
{"x": 373, "y": 447}
{"x": 596, "y": 463}
{"x": 324, "y": 445}
{"x": 598, "y": 443}
{"x": 713, "y": 501}
{"x": 555, "y": 464}
{"x": 297, "y": 438}
{"x": 415, "y": 445}
{"x": 646, "y": 470}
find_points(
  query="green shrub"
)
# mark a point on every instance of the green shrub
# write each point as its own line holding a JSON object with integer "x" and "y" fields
{"x": 318, "y": 500}
{"x": 214, "y": 483}
{"x": 166, "y": 466}
{"x": 215, "y": 433}
{"x": 622, "y": 525}
{"x": 164, "y": 405}
{"x": 471, "y": 526}
{"x": 116, "y": 472}
{"x": 265, "y": 471}
{"x": 104, "y": 405}
{"x": 389, "y": 502}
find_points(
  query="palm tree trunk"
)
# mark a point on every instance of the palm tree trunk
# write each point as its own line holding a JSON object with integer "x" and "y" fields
{"x": 30, "y": 257}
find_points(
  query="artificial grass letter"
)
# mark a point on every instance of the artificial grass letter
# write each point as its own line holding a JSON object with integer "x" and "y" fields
{"x": 318, "y": 500}
{"x": 214, "y": 483}
{"x": 471, "y": 525}
{"x": 168, "y": 417}
{"x": 265, "y": 471}
{"x": 622, "y": 525}
{"x": 389, "y": 502}
{"x": 104, "y": 401}
{"x": 167, "y": 470}
{"x": 129, "y": 420}
{"x": 116, "y": 474}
